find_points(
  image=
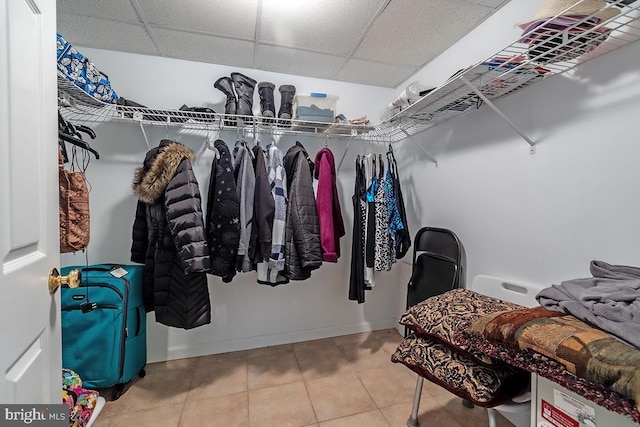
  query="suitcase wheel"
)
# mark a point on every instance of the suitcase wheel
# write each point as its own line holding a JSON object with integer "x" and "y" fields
{"x": 119, "y": 388}
{"x": 117, "y": 392}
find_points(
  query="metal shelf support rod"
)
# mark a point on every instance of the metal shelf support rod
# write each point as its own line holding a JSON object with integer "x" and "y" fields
{"x": 144, "y": 134}
{"x": 494, "y": 108}
{"x": 429, "y": 156}
{"x": 344, "y": 155}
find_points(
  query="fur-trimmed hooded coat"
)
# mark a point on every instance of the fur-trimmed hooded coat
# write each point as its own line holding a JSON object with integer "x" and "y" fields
{"x": 169, "y": 237}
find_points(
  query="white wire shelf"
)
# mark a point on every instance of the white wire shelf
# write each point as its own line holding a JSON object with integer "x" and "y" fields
{"x": 515, "y": 67}
{"x": 518, "y": 66}
{"x": 78, "y": 106}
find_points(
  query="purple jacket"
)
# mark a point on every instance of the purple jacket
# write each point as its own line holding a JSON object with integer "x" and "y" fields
{"x": 329, "y": 214}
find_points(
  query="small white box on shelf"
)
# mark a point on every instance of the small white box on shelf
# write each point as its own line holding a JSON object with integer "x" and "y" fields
{"x": 315, "y": 107}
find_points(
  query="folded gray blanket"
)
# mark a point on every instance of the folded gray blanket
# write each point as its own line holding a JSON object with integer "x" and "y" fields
{"x": 609, "y": 300}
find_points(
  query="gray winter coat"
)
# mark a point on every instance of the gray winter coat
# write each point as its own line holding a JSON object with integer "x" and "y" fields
{"x": 169, "y": 237}
{"x": 245, "y": 189}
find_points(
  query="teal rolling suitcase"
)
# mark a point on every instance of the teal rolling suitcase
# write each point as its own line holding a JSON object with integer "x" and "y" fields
{"x": 104, "y": 326}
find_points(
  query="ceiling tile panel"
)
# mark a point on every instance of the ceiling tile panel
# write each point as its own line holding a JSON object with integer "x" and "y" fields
{"x": 119, "y": 10}
{"x": 376, "y": 74}
{"x": 412, "y": 32}
{"x": 331, "y": 26}
{"x": 312, "y": 38}
{"x": 235, "y": 18}
{"x": 291, "y": 61}
{"x": 196, "y": 47}
{"x": 110, "y": 35}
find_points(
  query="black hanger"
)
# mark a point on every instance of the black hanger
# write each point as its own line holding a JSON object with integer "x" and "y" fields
{"x": 390, "y": 155}
{"x": 87, "y": 130}
{"x": 63, "y": 150}
{"x": 78, "y": 143}
{"x": 70, "y": 133}
{"x": 63, "y": 125}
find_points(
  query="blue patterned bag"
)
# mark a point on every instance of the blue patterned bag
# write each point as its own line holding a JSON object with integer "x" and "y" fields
{"x": 78, "y": 69}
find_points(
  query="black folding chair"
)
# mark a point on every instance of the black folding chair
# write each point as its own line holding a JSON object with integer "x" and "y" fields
{"x": 438, "y": 264}
{"x": 438, "y": 267}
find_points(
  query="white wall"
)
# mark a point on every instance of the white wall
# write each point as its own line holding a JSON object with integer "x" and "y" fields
{"x": 535, "y": 218}
{"x": 529, "y": 218}
{"x": 168, "y": 83}
{"x": 491, "y": 36}
{"x": 245, "y": 314}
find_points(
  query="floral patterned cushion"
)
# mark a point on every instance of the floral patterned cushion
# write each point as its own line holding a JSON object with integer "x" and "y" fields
{"x": 482, "y": 385}
{"x": 440, "y": 316}
{"x": 81, "y": 401}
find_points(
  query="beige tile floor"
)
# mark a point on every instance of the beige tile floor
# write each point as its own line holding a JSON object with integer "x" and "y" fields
{"x": 336, "y": 382}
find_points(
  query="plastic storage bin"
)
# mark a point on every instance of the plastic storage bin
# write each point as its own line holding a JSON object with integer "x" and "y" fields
{"x": 315, "y": 107}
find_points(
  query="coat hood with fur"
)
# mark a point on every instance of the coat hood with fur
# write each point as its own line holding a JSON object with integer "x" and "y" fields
{"x": 151, "y": 179}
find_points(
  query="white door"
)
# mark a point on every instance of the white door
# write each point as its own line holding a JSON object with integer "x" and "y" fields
{"x": 30, "y": 354}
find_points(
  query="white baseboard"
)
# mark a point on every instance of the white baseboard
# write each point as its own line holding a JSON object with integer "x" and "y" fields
{"x": 215, "y": 347}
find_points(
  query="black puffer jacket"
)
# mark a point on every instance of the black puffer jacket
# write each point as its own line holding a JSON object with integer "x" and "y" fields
{"x": 169, "y": 237}
{"x": 303, "y": 252}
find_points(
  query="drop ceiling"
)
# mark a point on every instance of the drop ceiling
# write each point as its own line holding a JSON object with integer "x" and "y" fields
{"x": 374, "y": 42}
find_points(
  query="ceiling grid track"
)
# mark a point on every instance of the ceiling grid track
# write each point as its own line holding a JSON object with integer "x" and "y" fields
{"x": 147, "y": 27}
{"x": 348, "y": 53}
{"x": 256, "y": 41}
{"x": 201, "y": 33}
{"x": 373, "y": 20}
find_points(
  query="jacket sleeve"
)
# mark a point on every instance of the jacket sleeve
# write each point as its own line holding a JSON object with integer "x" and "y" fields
{"x": 139, "y": 235}
{"x": 264, "y": 208}
{"x": 280, "y": 197}
{"x": 306, "y": 231}
{"x": 325, "y": 212}
{"x": 184, "y": 215}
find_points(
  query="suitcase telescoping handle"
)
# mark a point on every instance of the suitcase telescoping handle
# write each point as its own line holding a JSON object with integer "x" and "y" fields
{"x": 96, "y": 268}
{"x": 116, "y": 270}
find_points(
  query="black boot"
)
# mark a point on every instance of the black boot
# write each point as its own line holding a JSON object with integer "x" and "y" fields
{"x": 225, "y": 85}
{"x": 267, "y": 105}
{"x": 286, "y": 99}
{"x": 244, "y": 89}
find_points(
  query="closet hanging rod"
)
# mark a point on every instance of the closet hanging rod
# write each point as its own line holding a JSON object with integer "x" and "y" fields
{"x": 201, "y": 121}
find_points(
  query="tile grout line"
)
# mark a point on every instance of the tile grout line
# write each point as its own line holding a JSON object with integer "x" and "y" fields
{"x": 246, "y": 359}
{"x": 248, "y": 394}
{"x": 304, "y": 383}
{"x": 370, "y": 396}
{"x": 186, "y": 396}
